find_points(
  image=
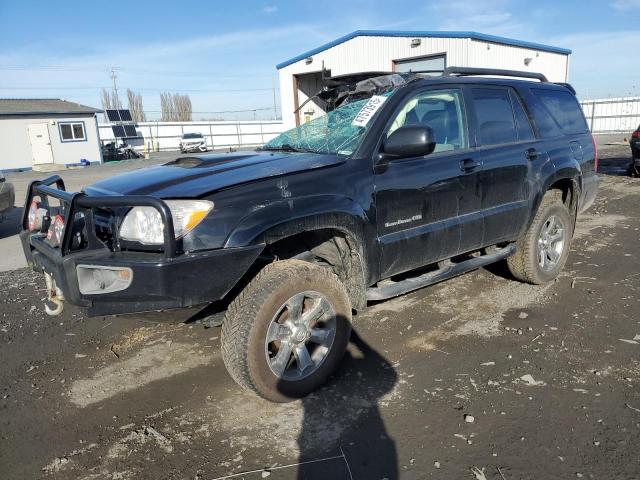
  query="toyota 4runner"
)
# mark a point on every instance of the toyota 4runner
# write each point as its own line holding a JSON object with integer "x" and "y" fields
{"x": 406, "y": 181}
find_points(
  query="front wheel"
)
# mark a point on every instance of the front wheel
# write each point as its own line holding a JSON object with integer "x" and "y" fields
{"x": 543, "y": 250}
{"x": 287, "y": 331}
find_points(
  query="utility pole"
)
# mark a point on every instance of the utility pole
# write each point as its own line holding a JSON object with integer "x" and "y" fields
{"x": 116, "y": 99}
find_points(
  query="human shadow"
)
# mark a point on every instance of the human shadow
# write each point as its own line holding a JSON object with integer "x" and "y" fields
{"x": 343, "y": 420}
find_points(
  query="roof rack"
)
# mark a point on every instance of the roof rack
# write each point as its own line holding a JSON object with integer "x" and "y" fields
{"x": 462, "y": 71}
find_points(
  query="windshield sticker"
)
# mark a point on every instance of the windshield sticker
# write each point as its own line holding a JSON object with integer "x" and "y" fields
{"x": 368, "y": 111}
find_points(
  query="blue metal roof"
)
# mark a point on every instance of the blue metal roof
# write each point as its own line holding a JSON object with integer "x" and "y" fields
{"x": 435, "y": 34}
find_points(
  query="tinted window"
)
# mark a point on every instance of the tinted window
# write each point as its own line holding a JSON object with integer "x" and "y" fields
{"x": 525, "y": 131}
{"x": 494, "y": 116}
{"x": 564, "y": 110}
{"x": 443, "y": 111}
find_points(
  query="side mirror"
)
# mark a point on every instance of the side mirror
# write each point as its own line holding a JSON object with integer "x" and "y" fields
{"x": 410, "y": 141}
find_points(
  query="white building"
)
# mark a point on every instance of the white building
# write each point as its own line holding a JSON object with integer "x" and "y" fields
{"x": 387, "y": 51}
{"x": 47, "y": 134}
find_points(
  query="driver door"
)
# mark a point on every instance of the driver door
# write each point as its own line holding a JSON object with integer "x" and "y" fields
{"x": 428, "y": 208}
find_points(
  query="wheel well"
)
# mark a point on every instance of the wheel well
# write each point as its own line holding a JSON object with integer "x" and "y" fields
{"x": 331, "y": 248}
{"x": 568, "y": 189}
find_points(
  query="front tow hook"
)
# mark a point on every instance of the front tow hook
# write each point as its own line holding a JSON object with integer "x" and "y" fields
{"x": 55, "y": 296}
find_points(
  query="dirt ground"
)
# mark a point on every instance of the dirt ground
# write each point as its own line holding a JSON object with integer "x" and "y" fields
{"x": 478, "y": 377}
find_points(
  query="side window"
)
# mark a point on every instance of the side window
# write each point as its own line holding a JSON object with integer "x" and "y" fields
{"x": 72, "y": 132}
{"x": 564, "y": 110}
{"x": 443, "y": 111}
{"x": 494, "y": 116}
{"x": 522, "y": 120}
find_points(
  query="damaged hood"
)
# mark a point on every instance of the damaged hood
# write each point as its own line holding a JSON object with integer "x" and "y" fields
{"x": 198, "y": 175}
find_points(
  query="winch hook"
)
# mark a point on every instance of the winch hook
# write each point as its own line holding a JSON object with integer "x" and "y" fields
{"x": 54, "y": 295}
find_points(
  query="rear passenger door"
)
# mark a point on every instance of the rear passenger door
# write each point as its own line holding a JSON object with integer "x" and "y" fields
{"x": 506, "y": 148}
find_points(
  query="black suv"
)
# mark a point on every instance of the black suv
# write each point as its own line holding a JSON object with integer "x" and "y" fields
{"x": 405, "y": 173}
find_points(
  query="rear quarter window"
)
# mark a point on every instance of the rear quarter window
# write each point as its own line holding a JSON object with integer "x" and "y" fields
{"x": 559, "y": 113}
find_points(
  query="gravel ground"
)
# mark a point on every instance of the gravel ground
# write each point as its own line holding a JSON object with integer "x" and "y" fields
{"x": 478, "y": 377}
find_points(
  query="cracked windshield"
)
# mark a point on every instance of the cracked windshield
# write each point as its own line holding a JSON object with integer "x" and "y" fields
{"x": 341, "y": 130}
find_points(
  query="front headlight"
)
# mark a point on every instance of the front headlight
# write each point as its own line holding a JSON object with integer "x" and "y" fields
{"x": 144, "y": 224}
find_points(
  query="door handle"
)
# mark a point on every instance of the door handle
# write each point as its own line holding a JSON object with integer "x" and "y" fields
{"x": 469, "y": 164}
{"x": 531, "y": 154}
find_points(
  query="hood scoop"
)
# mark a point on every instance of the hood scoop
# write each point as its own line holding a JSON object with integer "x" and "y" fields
{"x": 205, "y": 161}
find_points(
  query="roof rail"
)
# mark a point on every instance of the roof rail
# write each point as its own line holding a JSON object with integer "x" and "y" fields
{"x": 451, "y": 71}
{"x": 568, "y": 86}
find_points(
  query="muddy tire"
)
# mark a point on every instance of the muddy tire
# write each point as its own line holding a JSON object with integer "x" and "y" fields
{"x": 287, "y": 331}
{"x": 543, "y": 250}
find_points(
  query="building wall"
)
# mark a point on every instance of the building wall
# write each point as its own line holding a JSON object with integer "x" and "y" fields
{"x": 366, "y": 53}
{"x": 491, "y": 55}
{"x": 15, "y": 151}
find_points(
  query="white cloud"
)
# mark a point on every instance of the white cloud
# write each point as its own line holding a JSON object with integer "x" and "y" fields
{"x": 624, "y": 5}
{"x": 206, "y": 67}
{"x": 600, "y": 65}
{"x": 485, "y": 16}
{"x": 269, "y": 9}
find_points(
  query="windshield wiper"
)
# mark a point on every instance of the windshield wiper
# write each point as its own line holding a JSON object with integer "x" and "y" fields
{"x": 285, "y": 147}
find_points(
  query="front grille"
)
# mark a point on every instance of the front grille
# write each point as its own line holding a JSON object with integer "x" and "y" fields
{"x": 104, "y": 225}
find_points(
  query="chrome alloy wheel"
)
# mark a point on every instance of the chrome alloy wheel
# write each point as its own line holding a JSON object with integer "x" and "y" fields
{"x": 551, "y": 243}
{"x": 300, "y": 336}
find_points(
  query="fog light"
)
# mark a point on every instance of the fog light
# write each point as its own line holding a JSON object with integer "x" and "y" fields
{"x": 36, "y": 216}
{"x": 96, "y": 279}
{"x": 54, "y": 235}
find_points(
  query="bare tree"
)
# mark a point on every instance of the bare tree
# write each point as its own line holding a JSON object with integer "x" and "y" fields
{"x": 175, "y": 107}
{"x": 110, "y": 100}
{"x": 182, "y": 104}
{"x": 166, "y": 107}
{"x": 106, "y": 99}
{"x": 116, "y": 104}
{"x": 135, "y": 106}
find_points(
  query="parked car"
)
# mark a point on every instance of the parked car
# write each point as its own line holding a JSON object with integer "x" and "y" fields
{"x": 193, "y": 142}
{"x": 7, "y": 196}
{"x": 406, "y": 181}
{"x": 634, "y": 142}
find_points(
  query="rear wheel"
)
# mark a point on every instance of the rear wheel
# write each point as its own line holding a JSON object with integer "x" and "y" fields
{"x": 542, "y": 251}
{"x": 287, "y": 331}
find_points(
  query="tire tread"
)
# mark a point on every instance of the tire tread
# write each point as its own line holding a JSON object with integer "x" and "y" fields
{"x": 521, "y": 264}
{"x": 238, "y": 321}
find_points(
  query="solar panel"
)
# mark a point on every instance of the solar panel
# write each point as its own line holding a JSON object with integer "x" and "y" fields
{"x": 130, "y": 131}
{"x": 113, "y": 115}
{"x": 118, "y": 131}
{"x": 125, "y": 115}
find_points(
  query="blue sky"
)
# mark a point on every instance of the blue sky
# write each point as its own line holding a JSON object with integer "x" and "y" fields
{"x": 223, "y": 54}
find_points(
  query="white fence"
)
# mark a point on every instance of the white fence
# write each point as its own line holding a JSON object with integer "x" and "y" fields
{"x": 612, "y": 115}
{"x": 159, "y": 136}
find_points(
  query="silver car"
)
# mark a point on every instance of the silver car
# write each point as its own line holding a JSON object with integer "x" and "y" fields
{"x": 193, "y": 142}
{"x": 7, "y": 196}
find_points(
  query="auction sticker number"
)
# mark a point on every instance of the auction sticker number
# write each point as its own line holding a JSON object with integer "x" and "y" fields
{"x": 367, "y": 112}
